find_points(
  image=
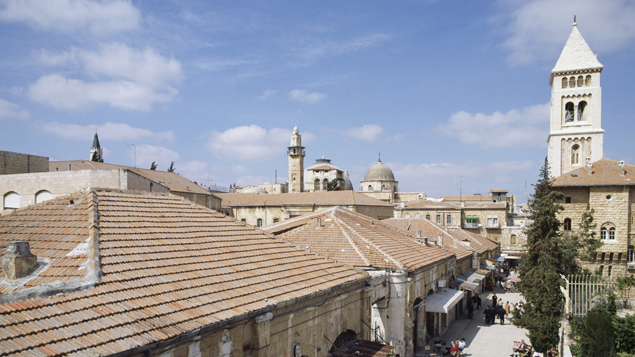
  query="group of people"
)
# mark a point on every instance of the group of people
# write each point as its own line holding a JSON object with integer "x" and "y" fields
{"x": 497, "y": 309}
{"x": 457, "y": 347}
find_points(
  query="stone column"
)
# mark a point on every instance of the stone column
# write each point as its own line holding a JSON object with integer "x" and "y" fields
{"x": 262, "y": 335}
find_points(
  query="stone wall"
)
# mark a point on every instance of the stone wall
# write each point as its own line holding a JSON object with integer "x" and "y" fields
{"x": 61, "y": 183}
{"x": 15, "y": 163}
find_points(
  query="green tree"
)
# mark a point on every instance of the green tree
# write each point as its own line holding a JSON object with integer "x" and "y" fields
{"x": 541, "y": 271}
{"x": 580, "y": 246}
{"x": 154, "y": 165}
{"x": 171, "y": 168}
{"x": 597, "y": 338}
{"x": 624, "y": 284}
{"x": 333, "y": 185}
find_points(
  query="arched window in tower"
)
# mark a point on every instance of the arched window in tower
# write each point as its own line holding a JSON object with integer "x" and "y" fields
{"x": 514, "y": 239}
{"x": 565, "y": 82}
{"x": 325, "y": 184}
{"x": 568, "y": 112}
{"x": 567, "y": 224}
{"x": 575, "y": 154}
{"x": 572, "y": 82}
{"x": 603, "y": 233}
{"x": 587, "y": 81}
{"x": 370, "y": 187}
{"x": 581, "y": 108}
{"x": 580, "y": 81}
{"x": 383, "y": 187}
{"x": 316, "y": 185}
{"x": 612, "y": 233}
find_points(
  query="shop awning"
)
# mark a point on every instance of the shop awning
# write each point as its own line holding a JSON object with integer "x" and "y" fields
{"x": 488, "y": 267}
{"x": 471, "y": 276}
{"x": 464, "y": 284}
{"x": 443, "y": 301}
{"x": 483, "y": 272}
{"x": 499, "y": 259}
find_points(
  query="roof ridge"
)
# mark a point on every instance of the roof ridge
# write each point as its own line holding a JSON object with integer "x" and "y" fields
{"x": 393, "y": 260}
{"x": 93, "y": 259}
{"x": 350, "y": 240}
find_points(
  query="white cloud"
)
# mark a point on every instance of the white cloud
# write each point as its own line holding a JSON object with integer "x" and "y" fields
{"x": 525, "y": 127}
{"x": 368, "y": 132}
{"x": 9, "y": 110}
{"x": 107, "y": 131}
{"x": 267, "y": 93}
{"x": 126, "y": 78}
{"x": 146, "y": 154}
{"x": 73, "y": 16}
{"x": 312, "y": 50}
{"x": 539, "y": 28}
{"x": 251, "y": 143}
{"x": 301, "y": 95}
{"x": 244, "y": 181}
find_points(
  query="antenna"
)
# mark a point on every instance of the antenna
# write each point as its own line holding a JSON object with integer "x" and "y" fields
{"x": 135, "y": 152}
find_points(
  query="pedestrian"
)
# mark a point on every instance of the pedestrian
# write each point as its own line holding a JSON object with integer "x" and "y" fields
{"x": 486, "y": 313}
{"x": 507, "y": 309}
{"x": 501, "y": 314}
{"x": 492, "y": 314}
{"x": 494, "y": 298}
{"x": 478, "y": 301}
{"x": 470, "y": 310}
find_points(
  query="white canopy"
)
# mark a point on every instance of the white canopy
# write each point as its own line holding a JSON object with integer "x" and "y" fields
{"x": 472, "y": 276}
{"x": 443, "y": 301}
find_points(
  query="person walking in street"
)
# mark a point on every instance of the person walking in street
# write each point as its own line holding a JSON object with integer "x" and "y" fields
{"x": 507, "y": 310}
{"x": 470, "y": 310}
{"x": 494, "y": 299}
{"x": 486, "y": 313}
{"x": 492, "y": 314}
{"x": 478, "y": 301}
{"x": 501, "y": 314}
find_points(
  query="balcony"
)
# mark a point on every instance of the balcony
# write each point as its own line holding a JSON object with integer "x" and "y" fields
{"x": 470, "y": 225}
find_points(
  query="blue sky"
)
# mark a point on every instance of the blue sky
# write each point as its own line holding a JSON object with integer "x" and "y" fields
{"x": 454, "y": 94}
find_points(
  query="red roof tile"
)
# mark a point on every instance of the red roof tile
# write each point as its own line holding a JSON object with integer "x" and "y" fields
{"x": 604, "y": 172}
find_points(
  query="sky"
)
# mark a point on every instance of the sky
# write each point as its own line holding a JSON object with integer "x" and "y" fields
{"x": 453, "y": 94}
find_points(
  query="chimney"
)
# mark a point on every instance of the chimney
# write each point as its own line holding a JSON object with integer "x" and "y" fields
{"x": 425, "y": 241}
{"x": 588, "y": 165}
{"x": 622, "y": 172}
{"x": 319, "y": 223}
{"x": 418, "y": 233}
{"x": 440, "y": 239}
{"x": 18, "y": 261}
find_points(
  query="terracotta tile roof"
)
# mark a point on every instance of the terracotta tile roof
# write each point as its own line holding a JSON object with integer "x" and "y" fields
{"x": 430, "y": 230}
{"x": 605, "y": 172}
{"x": 358, "y": 240}
{"x": 468, "y": 198}
{"x": 328, "y": 198}
{"x": 168, "y": 267}
{"x": 475, "y": 239}
{"x": 430, "y": 204}
{"x": 172, "y": 180}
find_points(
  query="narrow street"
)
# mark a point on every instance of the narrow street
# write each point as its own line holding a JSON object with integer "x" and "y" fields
{"x": 486, "y": 340}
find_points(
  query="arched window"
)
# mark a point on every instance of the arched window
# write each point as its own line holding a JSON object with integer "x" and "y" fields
{"x": 259, "y": 222}
{"x": 514, "y": 240}
{"x": 572, "y": 82}
{"x": 370, "y": 187}
{"x": 580, "y": 81}
{"x": 325, "y": 184}
{"x": 565, "y": 82}
{"x": 587, "y": 81}
{"x": 43, "y": 196}
{"x": 612, "y": 233}
{"x": 575, "y": 154}
{"x": 11, "y": 200}
{"x": 568, "y": 112}
{"x": 581, "y": 108}
{"x": 316, "y": 185}
{"x": 567, "y": 224}
{"x": 603, "y": 233}
{"x": 383, "y": 187}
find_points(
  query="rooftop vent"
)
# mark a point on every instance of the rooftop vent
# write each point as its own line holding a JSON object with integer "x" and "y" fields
{"x": 18, "y": 261}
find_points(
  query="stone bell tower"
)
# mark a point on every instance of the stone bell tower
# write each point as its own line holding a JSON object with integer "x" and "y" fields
{"x": 296, "y": 155}
{"x": 576, "y": 107}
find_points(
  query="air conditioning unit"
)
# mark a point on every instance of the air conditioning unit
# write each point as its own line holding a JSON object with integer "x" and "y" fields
{"x": 631, "y": 265}
{"x": 441, "y": 283}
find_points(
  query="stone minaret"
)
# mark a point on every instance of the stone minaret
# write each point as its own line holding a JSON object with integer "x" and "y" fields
{"x": 296, "y": 162}
{"x": 576, "y": 107}
{"x": 96, "y": 153}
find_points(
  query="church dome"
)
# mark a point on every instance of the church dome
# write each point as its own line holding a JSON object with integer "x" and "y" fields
{"x": 379, "y": 172}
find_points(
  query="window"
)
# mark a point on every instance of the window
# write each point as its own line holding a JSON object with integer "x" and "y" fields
{"x": 276, "y": 220}
{"x": 243, "y": 221}
{"x": 316, "y": 185}
{"x": 567, "y": 224}
{"x": 603, "y": 234}
{"x": 612, "y": 233}
{"x": 489, "y": 220}
{"x": 449, "y": 219}
{"x": 565, "y": 82}
{"x": 43, "y": 196}
{"x": 607, "y": 232}
{"x": 417, "y": 215}
{"x": 407, "y": 216}
{"x": 581, "y": 108}
{"x": 383, "y": 187}
{"x": 580, "y": 81}
{"x": 572, "y": 82}
{"x": 603, "y": 257}
{"x": 611, "y": 258}
{"x": 567, "y": 200}
{"x": 428, "y": 217}
{"x": 631, "y": 254}
{"x": 11, "y": 200}
{"x": 514, "y": 240}
{"x": 438, "y": 219}
{"x": 587, "y": 81}
{"x": 370, "y": 187}
{"x": 259, "y": 222}
{"x": 601, "y": 270}
{"x": 610, "y": 270}
{"x": 568, "y": 112}
{"x": 495, "y": 220}
{"x": 575, "y": 154}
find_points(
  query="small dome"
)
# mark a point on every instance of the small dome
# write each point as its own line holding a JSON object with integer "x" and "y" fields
{"x": 379, "y": 172}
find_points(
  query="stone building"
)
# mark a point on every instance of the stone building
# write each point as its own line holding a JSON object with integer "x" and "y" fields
{"x": 409, "y": 286}
{"x": 608, "y": 187}
{"x": 262, "y": 210}
{"x": 16, "y": 163}
{"x": 576, "y": 107}
{"x": 318, "y": 175}
{"x": 379, "y": 182}
{"x": 118, "y": 273}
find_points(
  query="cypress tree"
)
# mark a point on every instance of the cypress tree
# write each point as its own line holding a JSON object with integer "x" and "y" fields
{"x": 540, "y": 271}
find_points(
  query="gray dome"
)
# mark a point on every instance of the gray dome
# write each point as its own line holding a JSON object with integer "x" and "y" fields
{"x": 348, "y": 185}
{"x": 379, "y": 172}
